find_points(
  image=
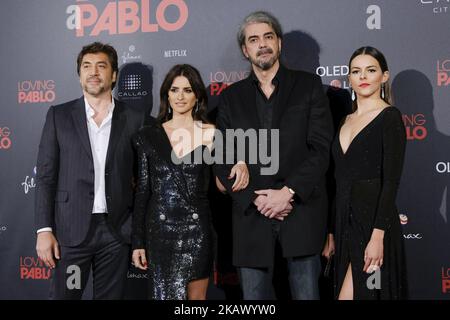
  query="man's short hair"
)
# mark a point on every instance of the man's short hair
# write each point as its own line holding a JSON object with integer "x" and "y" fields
{"x": 259, "y": 17}
{"x": 97, "y": 47}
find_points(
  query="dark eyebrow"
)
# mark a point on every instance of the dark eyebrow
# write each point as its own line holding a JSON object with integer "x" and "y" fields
{"x": 366, "y": 67}
{"x": 174, "y": 87}
{"x": 265, "y": 34}
{"x": 99, "y": 62}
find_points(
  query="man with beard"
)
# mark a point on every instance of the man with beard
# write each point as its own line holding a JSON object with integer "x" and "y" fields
{"x": 289, "y": 206}
{"x": 84, "y": 183}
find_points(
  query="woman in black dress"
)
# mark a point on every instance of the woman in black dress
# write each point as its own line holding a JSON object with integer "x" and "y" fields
{"x": 172, "y": 232}
{"x": 368, "y": 153}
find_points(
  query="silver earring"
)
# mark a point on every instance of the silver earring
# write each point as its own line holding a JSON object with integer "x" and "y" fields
{"x": 169, "y": 110}
{"x": 353, "y": 95}
{"x": 196, "y": 107}
{"x": 382, "y": 91}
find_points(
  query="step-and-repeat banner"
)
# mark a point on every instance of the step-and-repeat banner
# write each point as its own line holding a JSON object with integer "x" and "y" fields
{"x": 40, "y": 41}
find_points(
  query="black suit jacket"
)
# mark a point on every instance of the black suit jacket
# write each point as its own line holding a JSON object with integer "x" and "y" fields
{"x": 304, "y": 121}
{"x": 65, "y": 172}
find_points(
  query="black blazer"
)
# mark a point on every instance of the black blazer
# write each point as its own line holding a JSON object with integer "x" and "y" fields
{"x": 65, "y": 172}
{"x": 304, "y": 121}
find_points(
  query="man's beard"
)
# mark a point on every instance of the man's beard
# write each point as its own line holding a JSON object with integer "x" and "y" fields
{"x": 265, "y": 65}
{"x": 95, "y": 91}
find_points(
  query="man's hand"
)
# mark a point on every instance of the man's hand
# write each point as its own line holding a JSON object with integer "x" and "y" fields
{"x": 275, "y": 204}
{"x": 283, "y": 214}
{"x": 47, "y": 248}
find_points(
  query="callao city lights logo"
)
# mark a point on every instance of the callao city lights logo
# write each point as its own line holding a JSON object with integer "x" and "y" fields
{"x": 36, "y": 91}
{"x": 125, "y": 17}
{"x": 437, "y": 6}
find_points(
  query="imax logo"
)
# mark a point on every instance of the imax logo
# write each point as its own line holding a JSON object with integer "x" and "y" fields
{"x": 412, "y": 236}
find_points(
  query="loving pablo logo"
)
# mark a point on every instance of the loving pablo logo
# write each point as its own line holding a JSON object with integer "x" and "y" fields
{"x": 415, "y": 125}
{"x": 5, "y": 139}
{"x": 445, "y": 280}
{"x": 443, "y": 73}
{"x": 125, "y": 17}
{"x": 33, "y": 268}
{"x": 36, "y": 91}
{"x": 221, "y": 79}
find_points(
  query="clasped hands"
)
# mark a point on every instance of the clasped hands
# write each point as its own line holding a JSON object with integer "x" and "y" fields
{"x": 274, "y": 204}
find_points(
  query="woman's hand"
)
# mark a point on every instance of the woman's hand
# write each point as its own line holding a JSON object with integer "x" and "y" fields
{"x": 239, "y": 170}
{"x": 139, "y": 260}
{"x": 328, "y": 249}
{"x": 373, "y": 255}
{"x": 220, "y": 186}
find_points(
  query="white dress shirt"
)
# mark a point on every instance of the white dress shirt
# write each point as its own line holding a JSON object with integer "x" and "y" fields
{"x": 99, "y": 140}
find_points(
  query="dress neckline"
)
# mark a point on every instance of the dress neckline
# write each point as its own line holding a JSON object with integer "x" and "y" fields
{"x": 360, "y": 131}
{"x": 166, "y": 137}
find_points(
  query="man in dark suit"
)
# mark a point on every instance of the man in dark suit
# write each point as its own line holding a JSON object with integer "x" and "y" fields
{"x": 289, "y": 205}
{"x": 84, "y": 178}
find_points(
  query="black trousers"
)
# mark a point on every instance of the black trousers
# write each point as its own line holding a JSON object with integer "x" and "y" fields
{"x": 107, "y": 256}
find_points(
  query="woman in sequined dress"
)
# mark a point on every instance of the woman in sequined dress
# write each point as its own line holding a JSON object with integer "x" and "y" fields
{"x": 368, "y": 152}
{"x": 172, "y": 234}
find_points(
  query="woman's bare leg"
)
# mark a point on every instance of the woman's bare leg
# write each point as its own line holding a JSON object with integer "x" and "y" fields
{"x": 197, "y": 289}
{"x": 347, "y": 286}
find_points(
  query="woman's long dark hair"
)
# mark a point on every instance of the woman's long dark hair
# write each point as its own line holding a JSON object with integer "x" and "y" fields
{"x": 377, "y": 55}
{"x": 197, "y": 85}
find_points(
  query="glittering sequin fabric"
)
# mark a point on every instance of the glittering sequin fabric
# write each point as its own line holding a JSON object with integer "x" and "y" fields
{"x": 172, "y": 216}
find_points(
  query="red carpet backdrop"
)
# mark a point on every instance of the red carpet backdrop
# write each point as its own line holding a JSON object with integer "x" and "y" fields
{"x": 41, "y": 39}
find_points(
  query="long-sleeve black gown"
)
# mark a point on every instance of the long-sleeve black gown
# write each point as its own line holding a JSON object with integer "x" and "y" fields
{"x": 171, "y": 218}
{"x": 367, "y": 179}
